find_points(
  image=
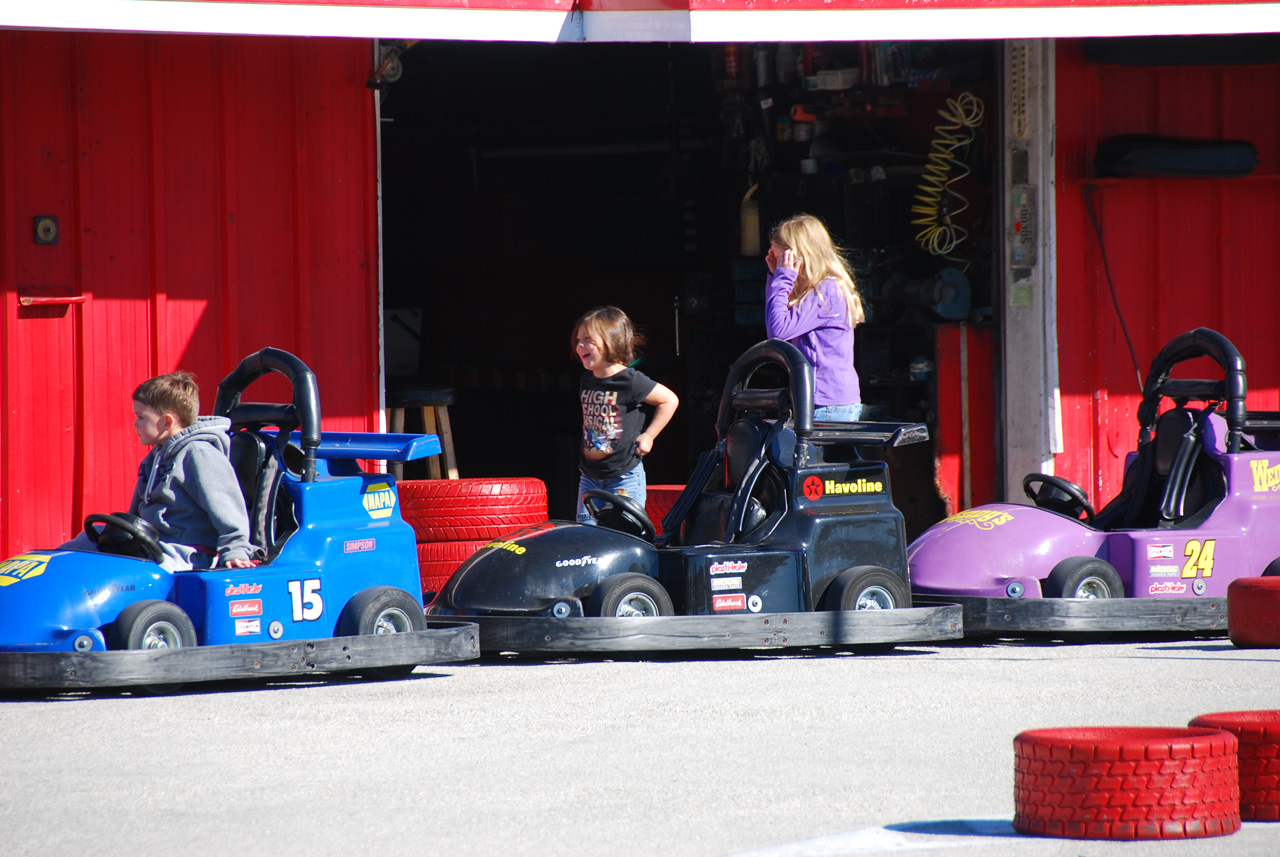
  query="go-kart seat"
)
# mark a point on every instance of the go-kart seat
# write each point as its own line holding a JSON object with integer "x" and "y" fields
{"x": 708, "y": 520}
{"x": 1172, "y": 482}
{"x": 259, "y": 476}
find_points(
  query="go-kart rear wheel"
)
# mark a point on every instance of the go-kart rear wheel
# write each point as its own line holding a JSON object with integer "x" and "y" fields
{"x": 630, "y": 595}
{"x": 866, "y": 588}
{"x": 152, "y": 625}
{"x": 1083, "y": 577}
{"x": 383, "y": 610}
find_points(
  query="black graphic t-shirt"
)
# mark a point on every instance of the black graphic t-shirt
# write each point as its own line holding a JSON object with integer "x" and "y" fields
{"x": 611, "y": 421}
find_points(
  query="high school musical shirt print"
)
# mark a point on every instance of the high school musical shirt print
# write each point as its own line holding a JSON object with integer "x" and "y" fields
{"x": 611, "y": 421}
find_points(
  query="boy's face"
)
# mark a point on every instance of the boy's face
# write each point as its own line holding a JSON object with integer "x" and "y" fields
{"x": 152, "y": 427}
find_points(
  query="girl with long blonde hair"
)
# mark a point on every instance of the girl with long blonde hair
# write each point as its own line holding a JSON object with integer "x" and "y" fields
{"x": 812, "y": 300}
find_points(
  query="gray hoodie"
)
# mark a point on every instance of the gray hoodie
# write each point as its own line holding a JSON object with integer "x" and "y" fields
{"x": 188, "y": 490}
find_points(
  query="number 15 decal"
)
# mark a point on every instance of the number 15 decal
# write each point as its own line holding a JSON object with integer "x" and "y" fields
{"x": 1199, "y": 559}
{"x": 307, "y": 603}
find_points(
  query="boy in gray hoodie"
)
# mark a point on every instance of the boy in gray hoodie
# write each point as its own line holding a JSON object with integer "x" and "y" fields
{"x": 186, "y": 487}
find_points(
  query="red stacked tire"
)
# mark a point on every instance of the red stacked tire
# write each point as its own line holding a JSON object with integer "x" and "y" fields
{"x": 658, "y": 501}
{"x": 1258, "y": 758}
{"x": 1125, "y": 783}
{"x": 453, "y": 518}
{"x": 1253, "y": 612}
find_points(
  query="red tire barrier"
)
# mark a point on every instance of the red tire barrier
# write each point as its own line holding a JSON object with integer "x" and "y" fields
{"x": 451, "y": 510}
{"x": 658, "y": 501}
{"x": 1125, "y": 783}
{"x": 437, "y": 561}
{"x": 1258, "y": 733}
{"x": 1253, "y": 612}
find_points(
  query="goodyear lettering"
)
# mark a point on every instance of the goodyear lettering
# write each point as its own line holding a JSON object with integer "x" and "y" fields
{"x": 109, "y": 589}
{"x": 22, "y": 567}
{"x": 379, "y": 500}
{"x": 507, "y": 546}
{"x": 582, "y": 560}
{"x": 982, "y": 519}
{"x": 862, "y": 486}
{"x": 1265, "y": 477}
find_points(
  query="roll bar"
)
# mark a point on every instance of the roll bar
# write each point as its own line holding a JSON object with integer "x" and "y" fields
{"x": 304, "y": 411}
{"x": 1201, "y": 342}
{"x": 799, "y": 393}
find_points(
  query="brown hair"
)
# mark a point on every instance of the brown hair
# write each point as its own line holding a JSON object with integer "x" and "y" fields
{"x": 175, "y": 393}
{"x": 612, "y": 327}
{"x": 818, "y": 259}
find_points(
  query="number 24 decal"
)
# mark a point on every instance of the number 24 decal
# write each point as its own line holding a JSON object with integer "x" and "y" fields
{"x": 1199, "y": 558}
{"x": 307, "y": 603}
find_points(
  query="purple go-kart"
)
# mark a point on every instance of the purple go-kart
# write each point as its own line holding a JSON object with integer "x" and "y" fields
{"x": 1198, "y": 508}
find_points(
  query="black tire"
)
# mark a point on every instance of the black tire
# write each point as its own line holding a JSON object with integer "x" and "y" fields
{"x": 152, "y": 625}
{"x": 866, "y": 588}
{"x": 630, "y": 595}
{"x": 1083, "y": 577}
{"x": 1272, "y": 569}
{"x": 382, "y": 610}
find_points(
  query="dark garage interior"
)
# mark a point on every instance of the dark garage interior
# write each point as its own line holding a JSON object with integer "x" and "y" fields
{"x": 523, "y": 184}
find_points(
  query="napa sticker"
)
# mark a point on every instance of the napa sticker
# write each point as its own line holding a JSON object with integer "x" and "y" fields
{"x": 379, "y": 500}
{"x": 982, "y": 519}
{"x": 1266, "y": 479}
{"x": 23, "y": 567}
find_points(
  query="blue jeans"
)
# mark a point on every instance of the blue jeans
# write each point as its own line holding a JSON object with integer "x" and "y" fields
{"x": 838, "y": 413}
{"x": 632, "y": 483}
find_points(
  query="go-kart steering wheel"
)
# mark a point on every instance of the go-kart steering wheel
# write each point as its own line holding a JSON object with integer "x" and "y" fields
{"x": 623, "y": 514}
{"x": 143, "y": 537}
{"x": 1072, "y": 504}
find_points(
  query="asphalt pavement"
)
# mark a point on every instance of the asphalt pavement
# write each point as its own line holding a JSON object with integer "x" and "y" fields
{"x": 766, "y": 755}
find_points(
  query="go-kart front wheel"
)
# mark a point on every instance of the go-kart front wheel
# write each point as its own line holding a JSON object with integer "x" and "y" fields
{"x": 152, "y": 625}
{"x": 1083, "y": 577}
{"x": 383, "y": 610}
{"x": 630, "y": 595}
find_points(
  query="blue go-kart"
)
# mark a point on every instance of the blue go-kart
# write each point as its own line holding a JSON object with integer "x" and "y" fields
{"x": 331, "y": 593}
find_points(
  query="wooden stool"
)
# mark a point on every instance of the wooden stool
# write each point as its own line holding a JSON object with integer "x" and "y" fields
{"x": 434, "y": 402}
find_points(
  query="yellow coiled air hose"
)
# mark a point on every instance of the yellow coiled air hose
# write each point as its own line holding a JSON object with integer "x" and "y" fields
{"x": 941, "y": 235}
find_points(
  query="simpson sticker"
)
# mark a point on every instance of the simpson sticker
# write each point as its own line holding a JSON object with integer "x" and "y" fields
{"x": 359, "y": 545}
{"x": 1167, "y": 587}
{"x": 1159, "y": 551}
{"x": 720, "y": 584}
{"x": 983, "y": 520}
{"x": 737, "y": 601}
{"x": 379, "y": 500}
{"x": 23, "y": 567}
{"x": 728, "y": 567}
{"x": 248, "y": 607}
{"x": 246, "y": 627}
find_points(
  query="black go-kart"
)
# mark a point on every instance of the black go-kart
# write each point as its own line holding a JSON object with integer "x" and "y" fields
{"x": 785, "y": 535}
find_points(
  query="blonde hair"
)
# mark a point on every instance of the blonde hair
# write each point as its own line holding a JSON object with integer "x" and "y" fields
{"x": 817, "y": 259}
{"x": 175, "y": 393}
{"x": 614, "y": 330}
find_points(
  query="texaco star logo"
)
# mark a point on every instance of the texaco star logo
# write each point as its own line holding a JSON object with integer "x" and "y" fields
{"x": 813, "y": 488}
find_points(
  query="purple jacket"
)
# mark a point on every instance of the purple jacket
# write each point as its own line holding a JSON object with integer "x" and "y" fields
{"x": 820, "y": 329}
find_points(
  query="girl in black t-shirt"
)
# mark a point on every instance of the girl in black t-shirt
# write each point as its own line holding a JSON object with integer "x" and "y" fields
{"x": 615, "y": 438}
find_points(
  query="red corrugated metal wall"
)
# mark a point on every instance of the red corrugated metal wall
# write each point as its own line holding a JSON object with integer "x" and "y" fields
{"x": 1183, "y": 253}
{"x": 214, "y": 195}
